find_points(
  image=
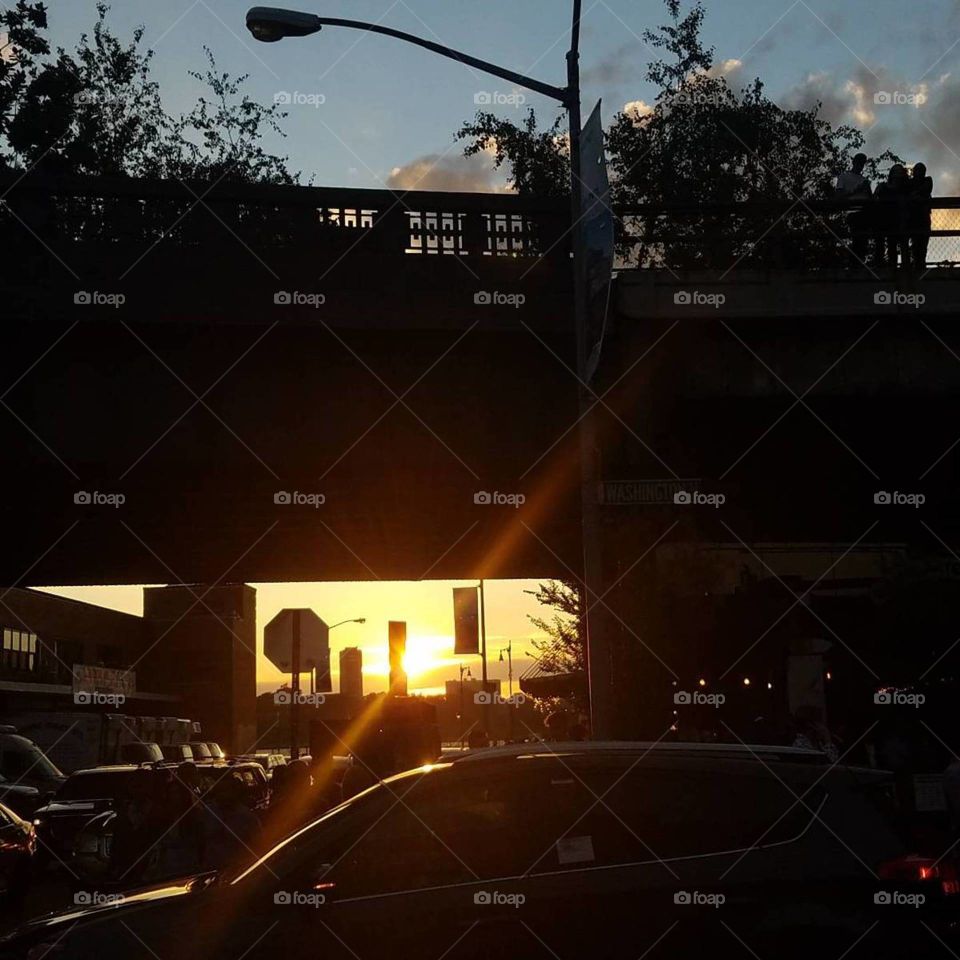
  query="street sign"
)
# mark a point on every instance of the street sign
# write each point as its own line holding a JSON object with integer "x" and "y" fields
{"x": 598, "y": 234}
{"x": 314, "y": 640}
{"x": 635, "y": 493}
{"x": 466, "y": 621}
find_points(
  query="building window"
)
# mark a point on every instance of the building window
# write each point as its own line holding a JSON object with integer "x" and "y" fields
{"x": 19, "y": 650}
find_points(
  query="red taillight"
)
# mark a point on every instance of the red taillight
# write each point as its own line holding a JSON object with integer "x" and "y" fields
{"x": 917, "y": 869}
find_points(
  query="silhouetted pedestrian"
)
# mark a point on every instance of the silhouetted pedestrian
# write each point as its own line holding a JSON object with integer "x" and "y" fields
{"x": 918, "y": 215}
{"x": 853, "y": 185}
{"x": 894, "y": 194}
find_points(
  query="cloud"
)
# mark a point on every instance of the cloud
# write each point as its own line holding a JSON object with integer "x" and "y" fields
{"x": 919, "y": 121}
{"x": 637, "y": 110}
{"x": 731, "y": 69}
{"x": 451, "y": 172}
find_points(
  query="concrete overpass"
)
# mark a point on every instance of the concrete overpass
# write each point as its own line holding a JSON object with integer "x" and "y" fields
{"x": 201, "y": 352}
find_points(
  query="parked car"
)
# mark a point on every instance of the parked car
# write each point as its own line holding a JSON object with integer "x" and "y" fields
{"x": 572, "y": 850}
{"x": 251, "y": 774}
{"x": 23, "y": 799}
{"x": 18, "y": 844}
{"x": 200, "y": 750}
{"x": 85, "y": 794}
{"x": 269, "y": 761}
{"x": 177, "y": 752}
{"x": 216, "y": 751}
{"x": 24, "y": 763}
{"x": 93, "y": 842}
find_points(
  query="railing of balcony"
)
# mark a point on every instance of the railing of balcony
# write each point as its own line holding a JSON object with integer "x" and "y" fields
{"x": 811, "y": 235}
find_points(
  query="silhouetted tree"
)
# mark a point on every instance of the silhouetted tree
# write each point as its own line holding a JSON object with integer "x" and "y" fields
{"x": 562, "y": 652}
{"x": 700, "y": 142}
{"x": 97, "y": 111}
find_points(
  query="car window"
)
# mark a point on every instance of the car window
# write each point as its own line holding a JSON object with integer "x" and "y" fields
{"x": 647, "y": 814}
{"x": 465, "y": 828}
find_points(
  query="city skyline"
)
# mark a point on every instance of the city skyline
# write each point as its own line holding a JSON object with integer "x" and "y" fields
{"x": 427, "y": 607}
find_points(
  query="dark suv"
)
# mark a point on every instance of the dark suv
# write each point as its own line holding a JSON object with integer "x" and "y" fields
{"x": 85, "y": 794}
{"x": 564, "y": 850}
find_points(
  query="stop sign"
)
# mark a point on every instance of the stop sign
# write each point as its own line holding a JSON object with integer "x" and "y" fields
{"x": 314, "y": 640}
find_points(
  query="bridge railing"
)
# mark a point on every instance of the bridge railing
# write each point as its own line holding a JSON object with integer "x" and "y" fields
{"x": 388, "y": 223}
{"x": 810, "y": 235}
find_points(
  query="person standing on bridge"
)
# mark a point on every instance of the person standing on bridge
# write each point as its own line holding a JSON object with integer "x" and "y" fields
{"x": 894, "y": 197}
{"x": 853, "y": 185}
{"x": 918, "y": 215}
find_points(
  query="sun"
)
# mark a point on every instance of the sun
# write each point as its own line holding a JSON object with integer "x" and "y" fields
{"x": 425, "y": 654}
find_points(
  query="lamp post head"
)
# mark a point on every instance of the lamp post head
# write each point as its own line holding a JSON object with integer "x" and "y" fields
{"x": 270, "y": 24}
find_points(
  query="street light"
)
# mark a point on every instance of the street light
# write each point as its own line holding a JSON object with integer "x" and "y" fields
{"x": 270, "y": 24}
{"x": 463, "y": 670}
{"x": 342, "y": 622}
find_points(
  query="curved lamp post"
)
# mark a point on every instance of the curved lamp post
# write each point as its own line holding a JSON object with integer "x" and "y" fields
{"x": 270, "y": 24}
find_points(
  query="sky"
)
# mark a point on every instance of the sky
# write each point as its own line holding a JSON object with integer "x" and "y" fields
{"x": 370, "y": 111}
{"x": 426, "y": 606}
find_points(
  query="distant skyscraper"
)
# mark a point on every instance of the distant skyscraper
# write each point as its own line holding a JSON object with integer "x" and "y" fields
{"x": 351, "y": 672}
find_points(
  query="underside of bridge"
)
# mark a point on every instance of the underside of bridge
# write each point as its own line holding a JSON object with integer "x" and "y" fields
{"x": 340, "y": 387}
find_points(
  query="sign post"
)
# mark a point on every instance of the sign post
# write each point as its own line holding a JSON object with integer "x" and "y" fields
{"x": 293, "y": 640}
{"x": 295, "y": 686}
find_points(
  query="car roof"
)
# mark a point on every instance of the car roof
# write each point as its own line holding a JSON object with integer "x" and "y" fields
{"x": 111, "y": 768}
{"x": 629, "y": 748}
